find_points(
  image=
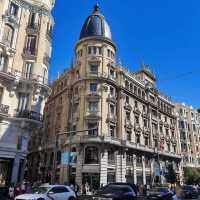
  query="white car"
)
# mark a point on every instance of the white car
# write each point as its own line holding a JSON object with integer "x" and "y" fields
{"x": 49, "y": 192}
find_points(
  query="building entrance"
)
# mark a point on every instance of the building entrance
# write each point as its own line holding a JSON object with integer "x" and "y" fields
{"x": 93, "y": 179}
{"x": 5, "y": 172}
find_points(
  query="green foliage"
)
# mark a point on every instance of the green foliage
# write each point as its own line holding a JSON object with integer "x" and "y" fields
{"x": 191, "y": 175}
{"x": 171, "y": 175}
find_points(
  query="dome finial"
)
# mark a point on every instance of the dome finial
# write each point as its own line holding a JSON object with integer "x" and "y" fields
{"x": 96, "y": 8}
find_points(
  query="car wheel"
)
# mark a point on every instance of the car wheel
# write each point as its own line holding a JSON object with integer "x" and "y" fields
{"x": 41, "y": 199}
{"x": 71, "y": 198}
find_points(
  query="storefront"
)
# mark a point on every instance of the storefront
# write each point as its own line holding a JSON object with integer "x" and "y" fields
{"x": 93, "y": 180}
{"x": 5, "y": 171}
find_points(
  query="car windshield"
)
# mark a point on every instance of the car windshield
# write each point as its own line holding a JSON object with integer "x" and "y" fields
{"x": 111, "y": 189}
{"x": 40, "y": 190}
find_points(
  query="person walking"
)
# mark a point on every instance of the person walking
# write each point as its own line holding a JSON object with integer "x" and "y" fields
{"x": 11, "y": 192}
{"x": 76, "y": 188}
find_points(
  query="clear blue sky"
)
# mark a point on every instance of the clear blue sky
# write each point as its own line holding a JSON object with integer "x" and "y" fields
{"x": 163, "y": 33}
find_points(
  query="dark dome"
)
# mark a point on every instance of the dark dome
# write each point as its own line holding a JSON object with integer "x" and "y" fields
{"x": 96, "y": 25}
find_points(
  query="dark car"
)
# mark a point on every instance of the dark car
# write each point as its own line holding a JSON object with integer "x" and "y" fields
{"x": 190, "y": 192}
{"x": 114, "y": 191}
{"x": 159, "y": 193}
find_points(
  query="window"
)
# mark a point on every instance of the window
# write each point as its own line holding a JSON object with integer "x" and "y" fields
{"x": 91, "y": 155}
{"x": 128, "y": 116}
{"x": 99, "y": 50}
{"x": 93, "y": 87}
{"x": 28, "y": 70}
{"x": 112, "y": 131}
{"x": 8, "y": 35}
{"x": 94, "y": 126}
{"x": 112, "y": 110}
{"x": 89, "y": 50}
{"x": 32, "y": 20}
{"x": 161, "y": 129}
{"x": 167, "y": 131}
{"x": 155, "y": 143}
{"x": 112, "y": 73}
{"x": 31, "y": 44}
{"x": 94, "y": 69}
{"x": 168, "y": 147}
{"x": 136, "y": 104}
{"x": 138, "y": 139}
{"x": 165, "y": 119}
{"x": 93, "y": 106}
{"x": 3, "y": 62}
{"x": 145, "y": 123}
{"x": 23, "y": 102}
{"x": 128, "y": 133}
{"x": 112, "y": 93}
{"x": 13, "y": 9}
{"x": 127, "y": 99}
{"x": 44, "y": 78}
{"x": 1, "y": 94}
{"x": 146, "y": 141}
{"x": 108, "y": 52}
{"x": 137, "y": 119}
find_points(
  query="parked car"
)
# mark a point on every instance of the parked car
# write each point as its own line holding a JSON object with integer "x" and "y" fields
{"x": 114, "y": 191}
{"x": 159, "y": 193}
{"x": 49, "y": 192}
{"x": 190, "y": 192}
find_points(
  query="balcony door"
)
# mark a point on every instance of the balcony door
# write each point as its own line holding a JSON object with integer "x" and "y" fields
{"x": 3, "y": 62}
{"x": 1, "y": 94}
{"x": 28, "y": 70}
{"x": 23, "y": 102}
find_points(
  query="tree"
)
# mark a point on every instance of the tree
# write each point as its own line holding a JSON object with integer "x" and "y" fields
{"x": 191, "y": 175}
{"x": 171, "y": 175}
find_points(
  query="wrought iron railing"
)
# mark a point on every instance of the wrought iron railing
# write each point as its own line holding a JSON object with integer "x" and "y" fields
{"x": 30, "y": 115}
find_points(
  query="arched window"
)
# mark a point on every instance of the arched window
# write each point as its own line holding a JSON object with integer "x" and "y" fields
{"x": 139, "y": 92}
{"x": 135, "y": 89}
{"x": 143, "y": 95}
{"x": 127, "y": 84}
{"x": 131, "y": 86}
{"x": 91, "y": 155}
{"x": 8, "y": 35}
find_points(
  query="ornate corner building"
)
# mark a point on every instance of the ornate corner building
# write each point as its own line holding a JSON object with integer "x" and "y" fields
{"x": 25, "y": 52}
{"x": 132, "y": 127}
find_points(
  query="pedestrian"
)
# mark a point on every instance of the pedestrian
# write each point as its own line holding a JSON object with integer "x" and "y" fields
{"x": 11, "y": 191}
{"x": 17, "y": 190}
{"x": 76, "y": 188}
{"x": 23, "y": 188}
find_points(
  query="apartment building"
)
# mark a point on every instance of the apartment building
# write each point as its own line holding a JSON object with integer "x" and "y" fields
{"x": 25, "y": 51}
{"x": 189, "y": 131}
{"x": 116, "y": 123}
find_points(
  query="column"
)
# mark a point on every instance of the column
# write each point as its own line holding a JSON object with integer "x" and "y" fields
{"x": 15, "y": 169}
{"x": 135, "y": 169}
{"x": 103, "y": 167}
{"x": 79, "y": 165}
{"x": 121, "y": 167}
{"x": 143, "y": 170}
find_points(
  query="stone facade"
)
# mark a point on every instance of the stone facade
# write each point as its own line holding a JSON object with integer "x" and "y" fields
{"x": 117, "y": 123}
{"x": 25, "y": 51}
{"x": 189, "y": 131}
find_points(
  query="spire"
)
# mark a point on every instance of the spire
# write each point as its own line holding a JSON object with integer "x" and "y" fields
{"x": 96, "y": 8}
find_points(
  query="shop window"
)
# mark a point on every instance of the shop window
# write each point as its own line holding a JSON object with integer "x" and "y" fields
{"x": 91, "y": 155}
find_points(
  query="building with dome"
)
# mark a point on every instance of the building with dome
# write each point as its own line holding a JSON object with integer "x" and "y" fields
{"x": 102, "y": 123}
{"x": 25, "y": 52}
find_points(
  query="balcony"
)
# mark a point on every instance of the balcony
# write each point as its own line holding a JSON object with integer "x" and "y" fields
{"x": 111, "y": 118}
{"x": 137, "y": 128}
{"x": 10, "y": 18}
{"x": 93, "y": 95}
{"x": 9, "y": 73}
{"x": 30, "y": 115}
{"x": 32, "y": 29}
{"x": 128, "y": 107}
{"x": 30, "y": 54}
{"x": 111, "y": 98}
{"x": 4, "y": 110}
{"x": 92, "y": 115}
